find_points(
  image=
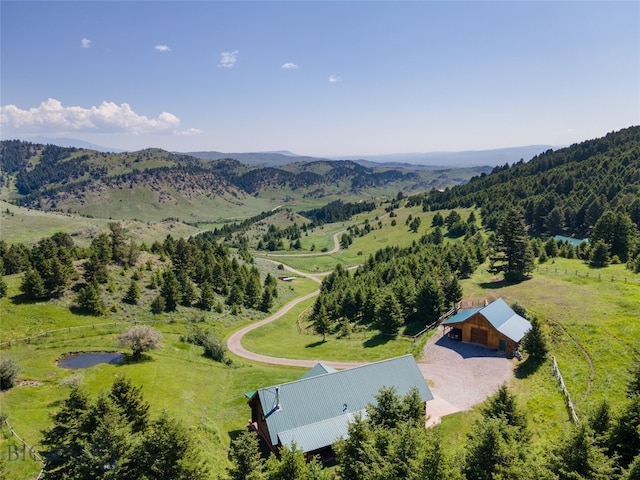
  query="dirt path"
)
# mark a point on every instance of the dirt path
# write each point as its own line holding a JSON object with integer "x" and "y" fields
{"x": 459, "y": 375}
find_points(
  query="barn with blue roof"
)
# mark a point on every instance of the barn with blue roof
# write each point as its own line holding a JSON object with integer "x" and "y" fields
{"x": 315, "y": 411}
{"x": 495, "y": 326}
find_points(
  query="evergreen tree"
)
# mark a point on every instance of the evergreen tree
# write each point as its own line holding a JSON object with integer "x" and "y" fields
{"x": 270, "y": 283}
{"x": 133, "y": 293}
{"x": 171, "y": 291}
{"x": 321, "y": 322}
{"x": 493, "y": 450}
{"x": 236, "y": 295}
{"x": 624, "y": 436}
{"x": 246, "y": 461}
{"x": 633, "y": 472}
{"x": 502, "y": 404}
{"x": 452, "y": 290}
{"x": 430, "y": 299}
{"x": 129, "y": 399}
{"x": 106, "y": 448}
{"x": 388, "y": 314}
{"x": 599, "y": 254}
{"x": 617, "y": 231}
{"x": 62, "y": 441}
{"x": 32, "y": 285}
{"x": 512, "y": 255}
{"x": 169, "y": 451}
{"x": 292, "y": 465}
{"x": 158, "y": 305}
{"x": 266, "y": 301}
{"x": 633, "y": 384}
{"x": 357, "y": 455}
{"x": 187, "y": 290}
{"x": 90, "y": 301}
{"x": 534, "y": 342}
{"x": 578, "y": 456}
{"x": 95, "y": 270}
{"x": 252, "y": 291}
{"x": 207, "y": 296}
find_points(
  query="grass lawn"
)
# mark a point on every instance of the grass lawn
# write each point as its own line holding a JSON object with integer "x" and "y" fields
{"x": 282, "y": 338}
{"x": 591, "y": 322}
{"x": 205, "y": 395}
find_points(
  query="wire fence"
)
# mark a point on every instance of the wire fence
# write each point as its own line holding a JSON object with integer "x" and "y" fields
{"x": 115, "y": 326}
{"x": 595, "y": 275}
{"x": 25, "y": 447}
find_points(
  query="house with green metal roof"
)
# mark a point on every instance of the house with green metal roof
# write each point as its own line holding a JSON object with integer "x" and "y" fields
{"x": 495, "y": 326}
{"x": 315, "y": 411}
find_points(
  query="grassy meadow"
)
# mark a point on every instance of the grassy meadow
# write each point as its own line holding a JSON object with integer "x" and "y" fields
{"x": 590, "y": 317}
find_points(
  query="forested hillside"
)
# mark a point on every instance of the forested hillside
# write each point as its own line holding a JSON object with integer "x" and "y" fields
{"x": 560, "y": 192}
{"x": 151, "y": 183}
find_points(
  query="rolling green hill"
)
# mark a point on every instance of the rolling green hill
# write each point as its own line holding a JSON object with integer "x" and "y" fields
{"x": 153, "y": 185}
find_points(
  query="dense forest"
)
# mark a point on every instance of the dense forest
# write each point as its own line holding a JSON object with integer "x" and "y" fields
{"x": 560, "y": 192}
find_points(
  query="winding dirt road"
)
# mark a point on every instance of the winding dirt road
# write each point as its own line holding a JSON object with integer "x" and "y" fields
{"x": 459, "y": 375}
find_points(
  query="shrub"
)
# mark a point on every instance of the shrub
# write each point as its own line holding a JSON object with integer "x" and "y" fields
{"x": 140, "y": 339}
{"x": 9, "y": 370}
{"x": 214, "y": 348}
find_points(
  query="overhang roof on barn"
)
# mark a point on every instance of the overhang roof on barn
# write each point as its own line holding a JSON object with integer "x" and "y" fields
{"x": 461, "y": 316}
{"x": 500, "y": 315}
{"x": 315, "y": 411}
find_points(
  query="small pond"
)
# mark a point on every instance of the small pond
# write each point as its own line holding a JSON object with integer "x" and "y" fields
{"x": 86, "y": 360}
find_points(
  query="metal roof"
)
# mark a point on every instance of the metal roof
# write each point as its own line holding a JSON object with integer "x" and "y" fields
{"x": 317, "y": 409}
{"x": 320, "y": 434}
{"x": 461, "y": 316}
{"x": 500, "y": 315}
{"x": 319, "y": 369}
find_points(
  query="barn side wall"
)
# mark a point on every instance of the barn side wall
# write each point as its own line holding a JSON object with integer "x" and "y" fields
{"x": 477, "y": 329}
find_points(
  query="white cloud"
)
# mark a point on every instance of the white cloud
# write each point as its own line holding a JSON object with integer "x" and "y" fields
{"x": 228, "y": 59}
{"x": 53, "y": 117}
{"x": 334, "y": 79}
{"x": 289, "y": 66}
{"x": 162, "y": 48}
{"x": 85, "y": 43}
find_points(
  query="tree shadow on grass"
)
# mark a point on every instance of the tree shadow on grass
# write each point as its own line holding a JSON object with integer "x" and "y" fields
{"x": 315, "y": 344}
{"x": 528, "y": 367}
{"x": 379, "y": 339}
{"x": 129, "y": 359}
{"x": 76, "y": 310}
{"x": 501, "y": 282}
{"x": 22, "y": 298}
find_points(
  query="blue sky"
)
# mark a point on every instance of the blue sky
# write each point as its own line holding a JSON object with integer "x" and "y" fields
{"x": 323, "y": 78}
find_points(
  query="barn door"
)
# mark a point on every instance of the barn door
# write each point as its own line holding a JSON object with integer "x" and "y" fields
{"x": 478, "y": 335}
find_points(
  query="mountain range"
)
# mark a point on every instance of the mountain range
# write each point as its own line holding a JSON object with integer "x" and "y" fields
{"x": 442, "y": 159}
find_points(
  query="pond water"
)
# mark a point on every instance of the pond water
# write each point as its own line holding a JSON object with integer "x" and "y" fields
{"x": 86, "y": 360}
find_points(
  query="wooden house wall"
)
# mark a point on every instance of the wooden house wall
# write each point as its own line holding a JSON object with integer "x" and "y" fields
{"x": 477, "y": 329}
{"x": 257, "y": 417}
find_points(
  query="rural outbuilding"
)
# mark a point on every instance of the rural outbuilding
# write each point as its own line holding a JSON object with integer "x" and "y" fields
{"x": 495, "y": 326}
{"x": 315, "y": 411}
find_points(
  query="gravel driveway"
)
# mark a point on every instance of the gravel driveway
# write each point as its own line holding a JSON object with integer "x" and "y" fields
{"x": 461, "y": 375}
